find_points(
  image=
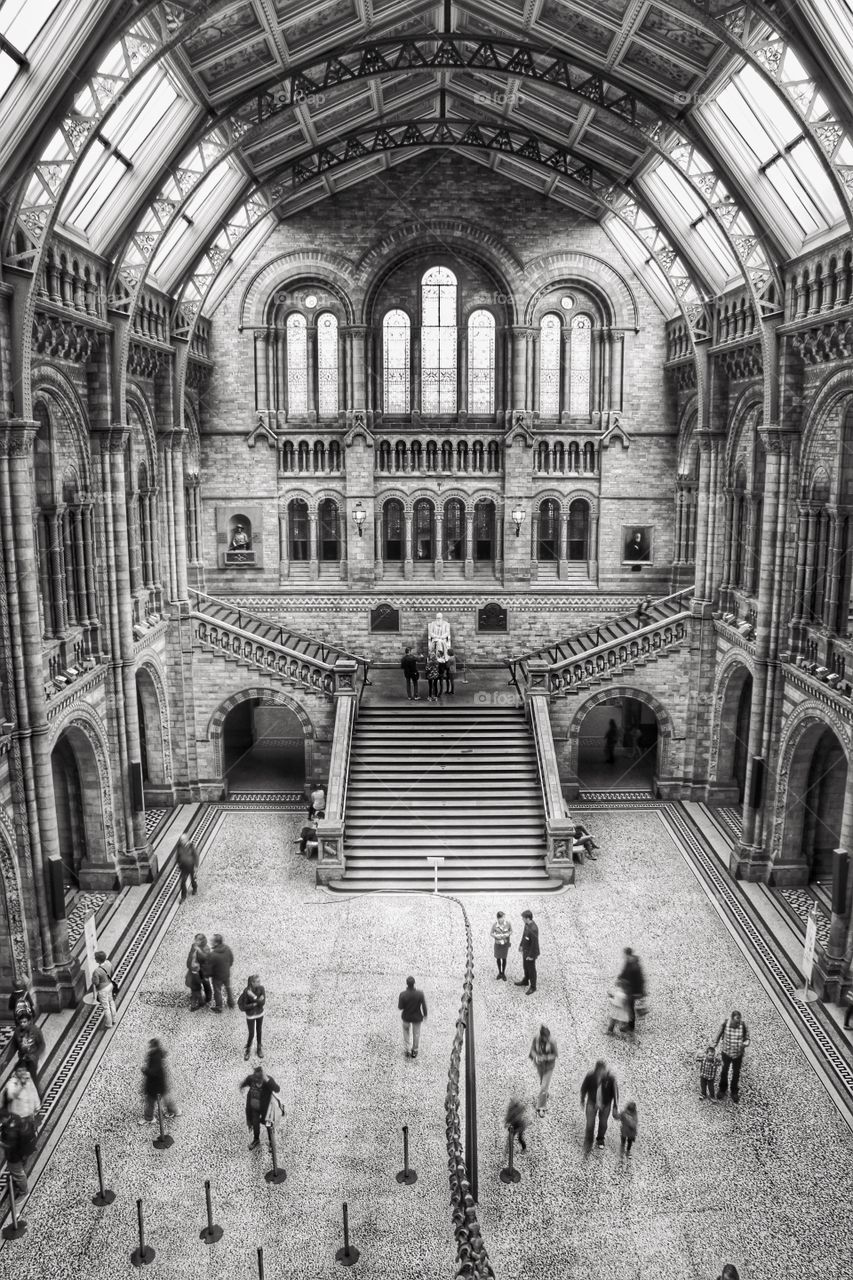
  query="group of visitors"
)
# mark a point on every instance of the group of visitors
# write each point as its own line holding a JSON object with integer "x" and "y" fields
{"x": 309, "y": 840}
{"x": 599, "y": 1097}
{"x": 501, "y": 933}
{"x": 440, "y": 671}
{"x": 20, "y": 1101}
{"x": 734, "y": 1035}
{"x": 208, "y": 977}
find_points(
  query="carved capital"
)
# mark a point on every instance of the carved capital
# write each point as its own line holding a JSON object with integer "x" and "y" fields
{"x": 17, "y": 436}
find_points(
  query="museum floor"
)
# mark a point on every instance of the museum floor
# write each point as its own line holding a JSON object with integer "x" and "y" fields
{"x": 762, "y": 1184}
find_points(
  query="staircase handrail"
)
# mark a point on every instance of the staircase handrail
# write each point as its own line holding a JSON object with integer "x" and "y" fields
{"x": 649, "y": 630}
{"x": 517, "y": 659}
{"x": 327, "y": 651}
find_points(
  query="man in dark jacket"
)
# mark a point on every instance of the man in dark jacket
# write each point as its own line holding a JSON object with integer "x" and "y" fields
{"x": 529, "y": 948}
{"x": 599, "y": 1097}
{"x": 409, "y": 663}
{"x": 29, "y": 1043}
{"x": 634, "y": 982}
{"x": 221, "y": 960}
{"x": 259, "y": 1104}
{"x": 412, "y": 1003}
{"x": 187, "y": 861}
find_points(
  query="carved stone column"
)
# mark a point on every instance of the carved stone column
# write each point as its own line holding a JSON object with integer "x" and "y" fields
{"x": 408, "y": 550}
{"x": 469, "y": 542}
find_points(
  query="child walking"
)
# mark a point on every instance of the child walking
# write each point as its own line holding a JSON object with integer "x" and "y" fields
{"x": 517, "y": 1120}
{"x": 709, "y": 1063}
{"x": 628, "y": 1125}
{"x": 619, "y": 1008}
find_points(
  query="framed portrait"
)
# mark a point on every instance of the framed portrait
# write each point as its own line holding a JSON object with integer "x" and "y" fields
{"x": 637, "y": 543}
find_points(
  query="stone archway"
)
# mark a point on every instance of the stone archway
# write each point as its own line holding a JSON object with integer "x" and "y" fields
{"x": 83, "y": 809}
{"x": 814, "y": 776}
{"x": 641, "y": 750}
{"x": 263, "y": 740}
{"x": 154, "y": 738}
{"x": 731, "y": 736}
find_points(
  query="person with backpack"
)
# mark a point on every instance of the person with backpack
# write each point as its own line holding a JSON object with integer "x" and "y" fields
{"x": 104, "y": 987}
{"x": 734, "y": 1035}
{"x": 261, "y": 1105}
{"x": 187, "y": 862}
{"x": 21, "y": 1004}
{"x": 252, "y": 1001}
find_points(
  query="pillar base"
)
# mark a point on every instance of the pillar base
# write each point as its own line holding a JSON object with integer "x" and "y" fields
{"x": 328, "y": 871}
{"x": 408, "y": 570}
{"x": 784, "y": 875}
{"x": 136, "y": 866}
{"x": 469, "y": 569}
{"x": 722, "y": 793}
{"x": 59, "y": 988}
{"x": 827, "y": 975}
{"x": 98, "y": 879}
{"x": 749, "y": 862}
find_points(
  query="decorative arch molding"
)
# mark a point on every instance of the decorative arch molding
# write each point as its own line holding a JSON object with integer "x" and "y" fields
{"x": 734, "y": 662}
{"x": 257, "y": 693}
{"x": 746, "y": 414}
{"x": 302, "y": 265}
{"x": 397, "y": 495}
{"x": 542, "y": 495}
{"x": 137, "y": 398}
{"x": 10, "y": 886}
{"x": 827, "y": 401}
{"x": 808, "y": 715}
{"x": 582, "y": 495}
{"x": 687, "y": 442}
{"x": 192, "y": 441}
{"x": 336, "y": 495}
{"x": 294, "y": 495}
{"x": 83, "y": 720}
{"x": 666, "y": 730}
{"x": 151, "y": 667}
{"x": 607, "y": 285}
{"x": 51, "y": 384}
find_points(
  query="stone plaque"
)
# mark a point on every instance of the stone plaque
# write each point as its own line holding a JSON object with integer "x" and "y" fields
{"x": 492, "y": 618}
{"x": 385, "y": 618}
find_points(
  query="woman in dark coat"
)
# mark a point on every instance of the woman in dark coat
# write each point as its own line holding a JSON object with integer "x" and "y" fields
{"x": 252, "y": 1001}
{"x": 155, "y": 1083}
{"x": 199, "y": 969}
{"x": 260, "y": 1108}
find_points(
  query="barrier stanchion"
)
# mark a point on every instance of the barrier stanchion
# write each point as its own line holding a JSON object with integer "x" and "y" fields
{"x": 274, "y": 1174}
{"x": 104, "y": 1196}
{"x": 19, "y": 1226}
{"x": 211, "y": 1233}
{"x": 260, "y": 1263}
{"x": 510, "y": 1173}
{"x": 349, "y": 1254}
{"x": 165, "y": 1139}
{"x": 144, "y": 1253}
{"x": 406, "y": 1175}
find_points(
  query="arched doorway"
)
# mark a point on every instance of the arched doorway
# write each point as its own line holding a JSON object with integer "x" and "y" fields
{"x": 79, "y": 813}
{"x": 579, "y": 530}
{"x": 329, "y": 521}
{"x": 298, "y": 529}
{"x": 454, "y": 530}
{"x": 817, "y": 777}
{"x": 548, "y": 540}
{"x": 424, "y": 531}
{"x": 634, "y": 740}
{"x": 392, "y": 531}
{"x": 263, "y": 748}
{"x": 484, "y": 531}
{"x": 150, "y": 736}
{"x": 733, "y": 750}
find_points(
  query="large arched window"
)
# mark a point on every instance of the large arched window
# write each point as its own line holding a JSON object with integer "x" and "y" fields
{"x": 424, "y": 525}
{"x": 550, "y": 333}
{"x": 481, "y": 362}
{"x": 327, "y": 365}
{"x": 484, "y": 530}
{"x": 438, "y": 341}
{"x": 454, "y": 529}
{"x": 548, "y": 547}
{"x": 740, "y": 529}
{"x": 329, "y": 522}
{"x": 392, "y": 530}
{"x": 297, "y": 365}
{"x": 580, "y": 381}
{"x": 579, "y": 530}
{"x": 298, "y": 529}
{"x": 395, "y": 362}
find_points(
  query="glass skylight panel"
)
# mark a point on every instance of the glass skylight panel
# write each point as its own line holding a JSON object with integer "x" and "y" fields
{"x": 97, "y": 193}
{"x": 22, "y": 20}
{"x": 9, "y": 68}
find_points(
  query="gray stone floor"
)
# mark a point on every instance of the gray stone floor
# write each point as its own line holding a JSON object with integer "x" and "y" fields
{"x": 763, "y": 1184}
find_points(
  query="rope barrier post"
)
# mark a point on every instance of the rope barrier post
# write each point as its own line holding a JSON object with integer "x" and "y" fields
{"x": 144, "y": 1254}
{"x": 103, "y": 1197}
{"x": 211, "y": 1233}
{"x": 349, "y": 1254}
{"x": 510, "y": 1173}
{"x": 165, "y": 1139}
{"x": 406, "y": 1175}
{"x": 19, "y": 1226}
{"x": 274, "y": 1175}
{"x": 260, "y": 1263}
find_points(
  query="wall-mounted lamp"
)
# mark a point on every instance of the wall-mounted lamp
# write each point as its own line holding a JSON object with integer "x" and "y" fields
{"x": 518, "y": 515}
{"x": 359, "y": 515}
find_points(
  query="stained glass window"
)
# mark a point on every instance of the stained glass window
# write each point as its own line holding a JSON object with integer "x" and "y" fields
{"x": 580, "y": 374}
{"x": 481, "y": 362}
{"x": 550, "y": 334}
{"x": 395, "y": 357}
{"x": 297, "y": 365}
{"x": 327, "y": 364}
{"x": 438, "y": 341}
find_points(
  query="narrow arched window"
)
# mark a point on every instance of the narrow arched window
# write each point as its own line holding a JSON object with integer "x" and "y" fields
{"x": 297, "y": 366}
{"x": 579, "y": 383}
{"x": 395, "y": 362}
{"x": 550, "y": 332}
{"x": 327, "y": 364}
{"x": 438, "y": 341}
{"x": 481, "y": 362}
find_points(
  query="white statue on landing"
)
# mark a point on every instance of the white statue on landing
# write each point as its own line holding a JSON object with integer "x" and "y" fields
{"x": 438, "y": 633}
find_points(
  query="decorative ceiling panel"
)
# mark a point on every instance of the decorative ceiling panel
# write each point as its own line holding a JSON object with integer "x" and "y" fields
{"x": 310, "y": 29}
{"x": 576, "y": 26}
{"x": 656, "y": 68}
{"x": 249, "y": 62}
{"x": 678, "y": 35}
{"x": 227, "y": 29}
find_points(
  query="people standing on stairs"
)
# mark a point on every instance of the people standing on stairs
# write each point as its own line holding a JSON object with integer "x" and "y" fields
{"x": 409, "y": 663}
{"x": 260, "y": 1104}
{"x": 529, "y": 948}
{"x": 412, "y": 1004}
{"x": 516, "y": 1121}
{"x": 634, "y": 981}
{"x": 543, "y": 1055}
{"x": 29, "y": 1045}
{"x": 200, "y": 963}
{"x": 611, "y": 737}
{"x": 501, "y": 931}
{"x": 187, "y": 863}
{"x": 642, "y": 612}
{"x": 433, "y": 681}
{"x": 599, "y": 1098}
{"x": 734, "y": 1035}
{"x": 104, "y": 987}
{"x": 221, "y": 960}
{"x": 317, "y": 800}
{"x": 155, "y": 1083}
{"x": 252, "y": 1001}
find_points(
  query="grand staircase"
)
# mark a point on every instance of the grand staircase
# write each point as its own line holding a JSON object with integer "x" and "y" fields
{"x": 457, "y": 782}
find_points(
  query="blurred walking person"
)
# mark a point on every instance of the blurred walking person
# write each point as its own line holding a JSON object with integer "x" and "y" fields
{"x": 599, "y": 1098}
{"x": 103, "y": 986}
{"x": 543, "y": 1055}
{"x": 199, "y": 961}
{"x": 155, "y": 1083}
{"x": 516, "y": 1121}
{"x": 187, "y": 863}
